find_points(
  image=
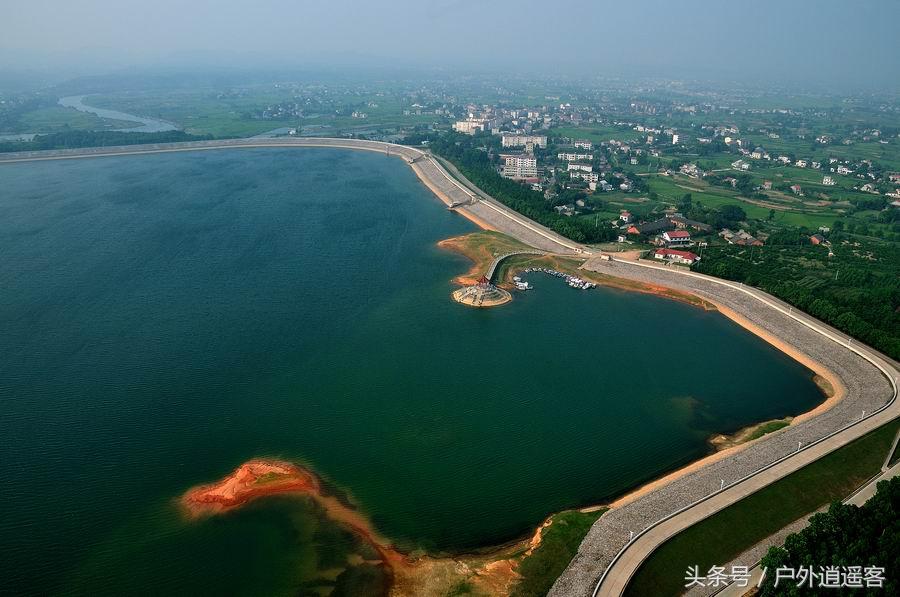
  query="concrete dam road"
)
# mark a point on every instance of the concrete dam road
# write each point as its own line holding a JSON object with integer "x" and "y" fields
{"x": 609, "y": 556}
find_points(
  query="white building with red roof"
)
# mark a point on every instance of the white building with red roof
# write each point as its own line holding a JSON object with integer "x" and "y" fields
{"x": 676, "y": 238}
{"x": 676, "y": 256}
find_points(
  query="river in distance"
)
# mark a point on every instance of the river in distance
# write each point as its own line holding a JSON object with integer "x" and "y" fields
{"x": 167, "y": 317}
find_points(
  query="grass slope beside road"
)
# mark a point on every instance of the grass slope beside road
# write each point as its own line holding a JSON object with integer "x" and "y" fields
{"x": 558, "y": 546}
{"x": 725, "y": 535}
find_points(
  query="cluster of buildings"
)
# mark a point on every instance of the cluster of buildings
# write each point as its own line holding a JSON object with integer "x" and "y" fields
{"x": 670, "y": 231}
{"x": 741, "y": 238}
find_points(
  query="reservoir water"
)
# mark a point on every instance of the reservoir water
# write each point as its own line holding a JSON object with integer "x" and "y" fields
{"x": 165, "y": 318}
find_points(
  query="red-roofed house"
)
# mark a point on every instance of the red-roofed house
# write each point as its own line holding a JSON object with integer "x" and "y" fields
{"x": 675, "y": 256}
{"x": 676, "y": 238}
{"x": 625, "y": 216}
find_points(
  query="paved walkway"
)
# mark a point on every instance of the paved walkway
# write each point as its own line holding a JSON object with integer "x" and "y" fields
{"x": 607, "y": 557}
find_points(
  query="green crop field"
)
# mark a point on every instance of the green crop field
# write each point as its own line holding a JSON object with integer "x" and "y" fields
{"x": 54, "y": 119}
{"x": 594, "y": 133}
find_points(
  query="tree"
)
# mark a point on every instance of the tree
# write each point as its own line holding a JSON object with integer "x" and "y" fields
{"x": 845, "y": 535}
{"x": 733, "y": 213}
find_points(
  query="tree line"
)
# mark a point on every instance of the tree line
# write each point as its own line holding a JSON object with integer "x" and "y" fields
{"x": 845, "y": 535}
{"x": 857, "y": 291}
{"x": 76, "y": 139}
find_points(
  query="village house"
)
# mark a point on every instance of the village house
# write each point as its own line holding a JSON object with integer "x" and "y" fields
{"x": 604, "y": 186}
{"x": 625, "y": 217}
{"x": 740, "y": 237}
{"x": 648, "y": 228}
{"x": 676, "y": 256}
{"x": 828, "y": 181}
{"x": 796, "y": 189}
{"x": 817, "y": 239}
{"x": 675, "y": 238}
{"x": 682, "y": 222}
{"x": 691, "y": 170}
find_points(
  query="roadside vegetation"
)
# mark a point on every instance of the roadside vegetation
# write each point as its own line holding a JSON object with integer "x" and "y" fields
{"x": 845, "y": 535}
{"x": 75, "y": 139}
{"x": 559, "y": 544}
{"x": 857, "y": 290}
{"x": 725, "y": 535}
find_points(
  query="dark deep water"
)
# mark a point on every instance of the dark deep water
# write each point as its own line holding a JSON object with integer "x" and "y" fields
{"x": 164, "y": 318}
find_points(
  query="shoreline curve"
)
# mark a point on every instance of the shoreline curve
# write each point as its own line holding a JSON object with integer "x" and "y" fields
{"x": 488, "y": 218}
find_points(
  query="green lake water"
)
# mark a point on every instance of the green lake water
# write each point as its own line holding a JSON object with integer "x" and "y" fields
{"x": 165, "y": 318}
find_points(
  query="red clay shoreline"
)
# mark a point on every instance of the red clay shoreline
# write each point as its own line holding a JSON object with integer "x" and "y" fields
{"x": 494, "y": 570}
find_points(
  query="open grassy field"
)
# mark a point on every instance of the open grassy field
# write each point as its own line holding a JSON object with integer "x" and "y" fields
{"x": 673, "y": 188}
{"x": 594, "y": 133}
{"x": 55, "y": 119}
{"x": 482, "y": 248}
{"x": 723, "y": 536}
{"x": 209, "y": 111}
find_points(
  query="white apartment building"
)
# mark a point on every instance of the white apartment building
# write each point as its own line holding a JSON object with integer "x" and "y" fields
{"x": 470, "y": 126}
{"x": 584, "y": 145}
{"x": 588, "y": 176}
{"x": 580, "y": 168}
{"x": 523, "y": 140}
{"x": 573, "y": 157}
{"x": 517, "y": 166}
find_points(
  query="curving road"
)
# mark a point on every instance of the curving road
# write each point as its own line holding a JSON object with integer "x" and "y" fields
{"x": 610, "y": 555}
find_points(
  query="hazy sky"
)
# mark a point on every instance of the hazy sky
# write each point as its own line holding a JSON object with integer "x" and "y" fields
{"x": 824, "y": 40}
